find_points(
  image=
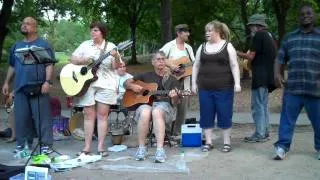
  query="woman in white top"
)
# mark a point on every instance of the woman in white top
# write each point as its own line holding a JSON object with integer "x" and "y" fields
{"x": 101, "y": 93}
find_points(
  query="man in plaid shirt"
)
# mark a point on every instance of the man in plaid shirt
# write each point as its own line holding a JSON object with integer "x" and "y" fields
{"x": 300, "y": 50}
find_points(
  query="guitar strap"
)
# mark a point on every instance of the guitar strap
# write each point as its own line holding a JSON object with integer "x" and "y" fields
{"x": 188, "y": 54}
{"x": 104, "y": 49}
{"x": 102, "y": 52}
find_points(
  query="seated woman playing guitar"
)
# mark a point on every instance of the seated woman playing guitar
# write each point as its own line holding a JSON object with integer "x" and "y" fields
{"x": 159, "y": 110}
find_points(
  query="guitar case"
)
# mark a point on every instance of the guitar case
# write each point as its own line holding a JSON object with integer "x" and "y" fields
{"x": 8, "y": 171}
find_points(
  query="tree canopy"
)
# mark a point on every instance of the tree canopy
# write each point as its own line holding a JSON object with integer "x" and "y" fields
{"x": 148, "y": 23}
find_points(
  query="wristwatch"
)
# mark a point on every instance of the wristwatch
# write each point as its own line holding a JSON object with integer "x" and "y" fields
{"x": 49, "y": 82}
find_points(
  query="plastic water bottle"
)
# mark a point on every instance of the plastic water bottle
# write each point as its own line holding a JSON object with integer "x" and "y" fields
{"x": 181, "y": 163}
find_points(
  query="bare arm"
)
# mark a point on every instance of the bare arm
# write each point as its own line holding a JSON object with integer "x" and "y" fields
{"x": 195, "y": 70}
{"x": 234, "y": 67}
{"x": 129, "y": 84}
{"x": 10, "y": 75}
{"x": 249, "y": 55}
{"x": 46, "y": 86}
{"x": 49, "y": 71}
{"x": 279, "y": 74}
{"x": 80, "y": 60}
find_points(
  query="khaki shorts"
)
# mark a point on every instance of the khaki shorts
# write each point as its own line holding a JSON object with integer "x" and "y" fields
{"x": 164, "y": 106}
{"x": 101, "y": 95}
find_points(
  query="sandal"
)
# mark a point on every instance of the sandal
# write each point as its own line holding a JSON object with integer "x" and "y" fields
{"x": 83, "y": 152}
{"x": 226, "y": 148}
{"x": 206, "y": 147}
{"x": 103, "y": 153}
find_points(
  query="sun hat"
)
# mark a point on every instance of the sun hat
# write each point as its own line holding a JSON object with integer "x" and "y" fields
{"x": 258, "y": 19}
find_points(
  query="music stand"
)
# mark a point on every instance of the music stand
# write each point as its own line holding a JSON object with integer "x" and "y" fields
{"x": 35, "y": 55}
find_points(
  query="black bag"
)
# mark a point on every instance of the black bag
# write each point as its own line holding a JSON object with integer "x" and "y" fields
{"x": 6, "y": 133}
{"x": 32, "y": 90}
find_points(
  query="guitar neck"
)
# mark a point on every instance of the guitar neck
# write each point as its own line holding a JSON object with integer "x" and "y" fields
{"x": 166, "y": 93}
{"x": 184, "y": 65}
{"x": 99, "y": 61}
{"x": 159, "y": 93}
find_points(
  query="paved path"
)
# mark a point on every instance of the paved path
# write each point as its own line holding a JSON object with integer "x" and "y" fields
{"x": 238, "y": 117}
{"x": 246, "y": 162}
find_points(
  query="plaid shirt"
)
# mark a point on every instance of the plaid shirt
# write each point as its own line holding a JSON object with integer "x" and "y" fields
{"x": 302, "y": 53}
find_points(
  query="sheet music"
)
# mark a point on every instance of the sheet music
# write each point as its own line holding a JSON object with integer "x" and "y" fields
{"x": 24, "y": 54}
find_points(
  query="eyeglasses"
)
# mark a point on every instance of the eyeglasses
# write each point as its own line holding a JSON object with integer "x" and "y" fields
{"x": 162, "y": 58}
{"x": 95, "y": 30}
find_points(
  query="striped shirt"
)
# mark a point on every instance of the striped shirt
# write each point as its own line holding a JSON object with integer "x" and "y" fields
{"x": 301, "y": 51}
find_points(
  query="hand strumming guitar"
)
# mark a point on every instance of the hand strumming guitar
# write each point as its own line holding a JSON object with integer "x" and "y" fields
{"x": 136, "y": 88}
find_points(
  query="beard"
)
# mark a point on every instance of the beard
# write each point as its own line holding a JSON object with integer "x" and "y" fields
{"x": 252, "y": 33}
{"x": 24, "y": 32}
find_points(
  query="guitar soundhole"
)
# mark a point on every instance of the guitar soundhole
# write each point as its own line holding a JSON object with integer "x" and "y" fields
{"x": 179, "y": 70}
{"x": 83, "y": 70}
{"x": 145, "y": 92}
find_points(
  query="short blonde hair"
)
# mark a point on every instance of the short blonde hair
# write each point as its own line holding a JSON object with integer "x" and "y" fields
{"x": 219, "y": 27}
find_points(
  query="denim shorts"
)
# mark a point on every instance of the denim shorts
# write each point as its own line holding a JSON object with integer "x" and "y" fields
{"x": 164, "y": 106}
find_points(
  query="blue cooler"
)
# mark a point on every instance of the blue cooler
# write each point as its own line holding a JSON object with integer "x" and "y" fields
{"x": 191, "y": 135}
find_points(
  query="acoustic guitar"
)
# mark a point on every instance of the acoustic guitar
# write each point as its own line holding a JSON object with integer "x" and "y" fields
{"x": 131, "y": 98}
{"x": 180, "y": 68}
{"x": 76, "y": 79}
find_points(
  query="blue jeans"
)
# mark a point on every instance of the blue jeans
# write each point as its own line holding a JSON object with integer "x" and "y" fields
{"x": 27, "y": 118}
{"x": 291, "y": 107}
{"x": 259, "y": 109}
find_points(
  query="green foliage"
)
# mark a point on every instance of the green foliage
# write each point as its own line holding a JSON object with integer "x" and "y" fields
{"x": 66, "y": 35}
{"x": 122, "y": 15}
{"x": 62, "y": 57}
{"x": 293, "y": 14}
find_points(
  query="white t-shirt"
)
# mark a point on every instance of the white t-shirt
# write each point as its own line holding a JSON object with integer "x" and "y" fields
{"x": 122, "y": 79}
{"x": 173, "y": 52}
{"x": 107, "y": 76}
{"x": 121, "y": 88}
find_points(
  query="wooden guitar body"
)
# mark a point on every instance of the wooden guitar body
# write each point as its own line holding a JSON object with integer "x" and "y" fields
{"x": 184, "y": 67}
{"x": 131, "y": 98}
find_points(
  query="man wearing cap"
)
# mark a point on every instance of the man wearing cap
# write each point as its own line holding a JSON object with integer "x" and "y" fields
{"x": 261, "y": 55}
{"x": 176, "y": 49}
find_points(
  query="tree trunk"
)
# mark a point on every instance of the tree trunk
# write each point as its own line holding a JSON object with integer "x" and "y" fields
{"x": 133, "y": 27}
{"x": 244, "y": 17}
{"x": 4, "y": 19}
{"x": 281, "y": 8}
{"x": 166, "y": 20}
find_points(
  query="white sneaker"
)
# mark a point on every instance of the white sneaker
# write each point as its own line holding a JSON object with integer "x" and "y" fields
{"x": 280, "y": 153}
{"x": 160, "y": 156}
{"x": 141, "y": 153}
